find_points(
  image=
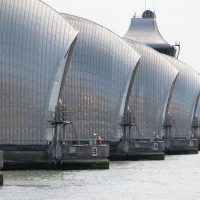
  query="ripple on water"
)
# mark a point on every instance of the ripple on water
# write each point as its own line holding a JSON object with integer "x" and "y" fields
{"x": 177, "y": 177}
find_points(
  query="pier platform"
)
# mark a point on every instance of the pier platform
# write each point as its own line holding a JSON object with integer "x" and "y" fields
{"x": 181, "y": 146}
{"x": 1, "y": 166}
{"x": 137, "y": 150}
{"x": 39, "y": 157}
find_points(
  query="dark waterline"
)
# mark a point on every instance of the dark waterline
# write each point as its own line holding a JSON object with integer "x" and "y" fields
{"x": 177, "y": 177}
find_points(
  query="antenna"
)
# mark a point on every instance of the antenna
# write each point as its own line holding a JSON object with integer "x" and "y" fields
{"x": 154, "y": 5}
{"x": 145, "y": 4}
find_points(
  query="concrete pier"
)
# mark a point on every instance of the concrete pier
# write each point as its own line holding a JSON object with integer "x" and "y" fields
{"x": 85, "y": 157}
{"x": 137, "y": 150}
{"x": 37, "y": 157}
{"x": 1, "y": 166}
{"x": 1, "y": 178}
{"x": 181, "y": 146}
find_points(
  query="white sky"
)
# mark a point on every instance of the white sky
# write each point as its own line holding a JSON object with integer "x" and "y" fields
{"x": 178, "y": 20}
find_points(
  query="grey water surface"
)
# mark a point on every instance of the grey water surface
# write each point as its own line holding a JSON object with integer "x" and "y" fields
{"x": 177, "y": 177}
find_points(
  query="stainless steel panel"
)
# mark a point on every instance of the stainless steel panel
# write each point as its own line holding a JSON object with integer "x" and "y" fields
{"x": 183, "y": 99}
{"x": 150, "y": 92}
{"x": 33, "y": 40}
{"x": 100, "y": 70}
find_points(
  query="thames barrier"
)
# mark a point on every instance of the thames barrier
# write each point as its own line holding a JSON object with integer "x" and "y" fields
{"x": 74, "y": 94}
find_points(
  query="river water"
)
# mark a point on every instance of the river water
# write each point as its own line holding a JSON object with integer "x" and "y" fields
{"x": 175, "y": 178}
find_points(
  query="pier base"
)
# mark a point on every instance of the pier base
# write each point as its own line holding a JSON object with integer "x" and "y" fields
{"x": 39, "y": 157}
{"x": 137, "y": 150}
{"x": 1, "y": 166}
{"x": 1, "y": 179}
{"x": 85, "y": 157}
{"x": 181, "y": 146}
{"x": 84, "y": 164}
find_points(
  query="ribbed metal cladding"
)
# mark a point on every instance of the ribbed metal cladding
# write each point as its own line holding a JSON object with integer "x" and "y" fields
{"x": 196, "y": 118}
{"x": 183, "y": 100}
{"x": 98, "y": 82}
{"x": 33, "y": 40}
{"x": 150, "y": 92}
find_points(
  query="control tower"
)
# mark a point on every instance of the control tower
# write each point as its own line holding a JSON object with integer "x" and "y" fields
{"x": 145, "y": 30}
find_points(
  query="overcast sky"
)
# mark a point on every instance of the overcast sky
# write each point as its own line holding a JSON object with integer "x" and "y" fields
{"x": 178, "y": 20}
